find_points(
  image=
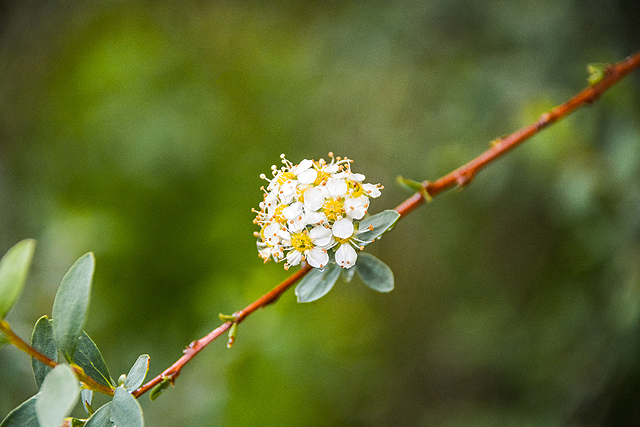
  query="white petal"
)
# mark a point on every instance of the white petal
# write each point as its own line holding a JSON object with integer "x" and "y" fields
{"x": 313, "y": 199}
{"x": 358, "y": 177}
{"x": 346, "y": 256}
{"x": 371, "y": 189}
{"x": 294, "y": 257}
{"x": 336, "y": 187}
{"x": 343, "y": 228}
{"x": 315, "y": 218}
{"x": 296, "y": 224}
{"x": 320, "y": 236}
{"x": 292, "y": 210}
{"x": 303, "y": 166}
{"x": 287, "y": 191}
{"x": 331, "y": 168}
{"x": 308, "y": 176}
{"x": 317, "y": 257}
{"x": 355, "y": 208}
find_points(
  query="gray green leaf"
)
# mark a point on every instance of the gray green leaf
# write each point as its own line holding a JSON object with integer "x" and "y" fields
{"x": 71, "y": 303}
{"x": 22, "y": 416}
{"x": 137, "y": 373}
{"x": 374, "y": 273}
{"x": 42, "y": 340}
{"x": 101, "y": 418}
{"x": 89, "y": 358}
{"x": 14, "y": 266}
{"x": 379, "y": 224}
{"x": 57, "y": 397}
{"x": 317, "y": 283}
{"x": 125, "y": 409}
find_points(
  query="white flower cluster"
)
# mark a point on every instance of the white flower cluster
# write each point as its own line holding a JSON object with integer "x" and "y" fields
{"x": 312, "y": 208}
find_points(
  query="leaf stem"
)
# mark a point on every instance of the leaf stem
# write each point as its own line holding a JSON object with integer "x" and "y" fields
{"x": 460, "y": 177}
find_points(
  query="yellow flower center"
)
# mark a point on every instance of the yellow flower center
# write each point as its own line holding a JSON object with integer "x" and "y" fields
{"x": 285, "y": 176}
{"x": 277, "y": 215}
{"x": 301, "y": 241}
{"x": 322, "y": 177}
{"x": 333, "y": 208}
{"x": 356, "y": 187}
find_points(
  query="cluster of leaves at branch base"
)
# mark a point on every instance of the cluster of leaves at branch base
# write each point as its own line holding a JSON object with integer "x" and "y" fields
{"x": 312, "y": 212}
{"x": 59, "y": 389}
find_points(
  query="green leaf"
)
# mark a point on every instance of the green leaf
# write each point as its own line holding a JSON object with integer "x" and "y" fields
{"x": 13, "y": 272}
{"x": 89, "y": 358}
{"x": 379, "y": 223}
{"x": 137, "y": 373}
{"x": 71, "y": 303}
{"x": 125, "y": 409}
{"x": 42, "y": 340}
{"x": 57, "y": 397}
{"x": 317, "y": 283}
{"x": 22, "y": 416}
{"x": 374, "y": 273}
{"x": 101, "y": 418}
{"x": 159, "y": 388}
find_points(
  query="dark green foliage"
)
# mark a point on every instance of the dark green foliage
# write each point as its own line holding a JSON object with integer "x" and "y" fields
{"x": 89, "y": 358}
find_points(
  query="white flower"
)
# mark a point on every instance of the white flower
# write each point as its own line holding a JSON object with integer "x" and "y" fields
{"x": 310, "y": 209}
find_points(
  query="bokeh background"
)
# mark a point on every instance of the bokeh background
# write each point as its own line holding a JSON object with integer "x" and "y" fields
{"x": 138, "y": 130}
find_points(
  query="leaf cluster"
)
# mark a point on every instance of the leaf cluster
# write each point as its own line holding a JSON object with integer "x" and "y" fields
{"x": 83, "y": 370}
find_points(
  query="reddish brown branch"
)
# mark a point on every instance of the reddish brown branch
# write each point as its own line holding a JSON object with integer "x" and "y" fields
{"x": 459, "y": 177}
{"x": 172, "y": 372}
{"x": 464, "y": 174}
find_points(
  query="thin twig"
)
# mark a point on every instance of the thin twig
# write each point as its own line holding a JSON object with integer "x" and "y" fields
{"x": 460, "y": 177}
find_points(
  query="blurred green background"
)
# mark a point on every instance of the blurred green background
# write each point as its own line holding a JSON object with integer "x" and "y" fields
{"x": 138, "y": 130}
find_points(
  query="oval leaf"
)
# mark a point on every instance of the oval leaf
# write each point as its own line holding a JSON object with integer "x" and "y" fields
{"x": 22, "y": 416}
{"x": 13, "y": 272}
{"x": 137, "y": 373}
{"x": 57, "y": 397}
{"x": 42, "y": 340}
{"x": 374, "y": 273}
{"x": 125, "y": 409}
{"x": 101, "y": 418}
{"x": 71, "y": 303}
{"x": 380, "y": 223}
{"x": 89, "y": 358}
{"x": 317, "y": 283}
